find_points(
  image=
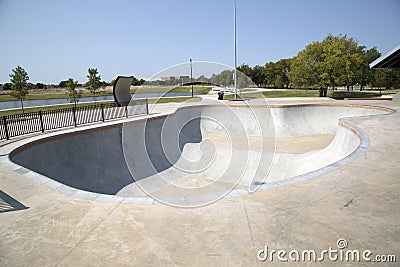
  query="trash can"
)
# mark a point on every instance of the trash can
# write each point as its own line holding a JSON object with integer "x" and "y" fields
{"x": 220, "y": 95}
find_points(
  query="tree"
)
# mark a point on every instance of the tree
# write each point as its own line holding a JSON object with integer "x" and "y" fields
{"x": 202, "y": 78}
{"x": 349, "y": 54}
{"x": 136, "y": 82}
{"x": 305, "y": 69}
{"x": 278, "y": 82}
{"x": 268, "y": 74}
{"x": 246, "y": 70}
{"x": 19, "y": 84}
{"x": 335, "y": 60}
{"x": 365, "y": 75}
{"x": 225, "y": 78}
{"x": 94, "y": 82}
{"x": 73, "y": 94}
{"x": 257, "y": 75}
{"x": 7, "y": 86}
{"x": 386, "y": 79}
{"x": 63, "y": 84}
{"x": 40, "y": 86}
{"x": 282, "y": 68}
{"x": 332, "y": 62}
{"x": 104, "y": 84}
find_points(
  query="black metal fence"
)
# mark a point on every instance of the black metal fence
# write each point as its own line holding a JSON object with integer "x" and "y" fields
{"x": 44, "y": 120}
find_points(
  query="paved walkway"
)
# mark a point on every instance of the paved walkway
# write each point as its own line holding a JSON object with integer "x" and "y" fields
{"x": 358, "y": 202}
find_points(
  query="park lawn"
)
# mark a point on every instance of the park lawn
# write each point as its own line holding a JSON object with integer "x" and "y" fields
{"x": 275, "y": 94}
{"x": 177, "y": 89}
{"x": 338, "y": 95}
{"x": 52, "y": 96}
{"x": 64, "y": 106}
{"x": 36, "y": 109}
{"x": 174, "y": 99}
{"x": 291, "y": 93}
{"x": 173, "y": 89}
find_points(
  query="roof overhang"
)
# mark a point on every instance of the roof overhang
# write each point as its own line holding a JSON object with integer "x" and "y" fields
{"x": 390, "y": 60}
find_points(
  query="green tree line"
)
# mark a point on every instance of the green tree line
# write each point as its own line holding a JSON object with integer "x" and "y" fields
{"x": 335, "y": 61}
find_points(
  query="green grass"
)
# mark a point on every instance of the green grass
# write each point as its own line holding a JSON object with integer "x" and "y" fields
{"x": 151, "y": 101}
{"x": 247, "y": 96}
{"x": 172, "y": 89}
{"x": 291, "y": 93}
{"x": 275, "y": 94}
{"x": 36, "y": 109}
{"x": 178, "y": 89}
{"x": 339, "y": 95}
{"x": 52, "y": 96}
{"x": 174, "y": 99}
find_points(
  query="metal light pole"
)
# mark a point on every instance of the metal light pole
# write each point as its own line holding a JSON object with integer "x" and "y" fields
{"x": 191, "y": 75}
{"x": 235, "y": 48}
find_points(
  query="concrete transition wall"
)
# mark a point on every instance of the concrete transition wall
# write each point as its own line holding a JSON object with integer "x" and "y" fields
{"x": 396, "y": 97}
{"x": 105, "y": 159}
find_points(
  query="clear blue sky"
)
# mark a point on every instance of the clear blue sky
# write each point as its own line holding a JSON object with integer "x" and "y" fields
{"x": 54, "y": 40}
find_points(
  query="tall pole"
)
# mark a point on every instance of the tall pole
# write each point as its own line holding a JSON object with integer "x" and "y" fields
{"x": 191, "y": 75}
{"x": 235, "y": 48}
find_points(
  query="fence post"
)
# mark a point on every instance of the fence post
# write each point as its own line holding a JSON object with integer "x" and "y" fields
{"x": 126, "y": 110}
{"x": 5, "y": 127}
{"x": 73, "y": 113}
{"x": 102, "y": 111}
{"x": 41, "y": 120}
{"x": 147, "y": 106}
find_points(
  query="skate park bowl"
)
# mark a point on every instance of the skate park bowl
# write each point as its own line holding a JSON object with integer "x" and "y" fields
{"x": 198, "y": 153}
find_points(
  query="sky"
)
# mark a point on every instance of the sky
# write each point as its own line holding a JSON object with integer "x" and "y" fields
{"x": 54, "y": 40}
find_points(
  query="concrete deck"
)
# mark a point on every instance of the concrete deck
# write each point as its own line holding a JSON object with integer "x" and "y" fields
{"x": 358, "y": 202}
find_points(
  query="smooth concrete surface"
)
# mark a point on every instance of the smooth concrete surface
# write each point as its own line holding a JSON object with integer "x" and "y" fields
{"x": 358, "y": 201}
{"x": 396, "y": 97}
{"x": 153, "y": 154}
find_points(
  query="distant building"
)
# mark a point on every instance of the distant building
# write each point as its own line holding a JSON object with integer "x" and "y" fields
{"x": 184, "y": 79}
{"x": 174, "y": 78}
